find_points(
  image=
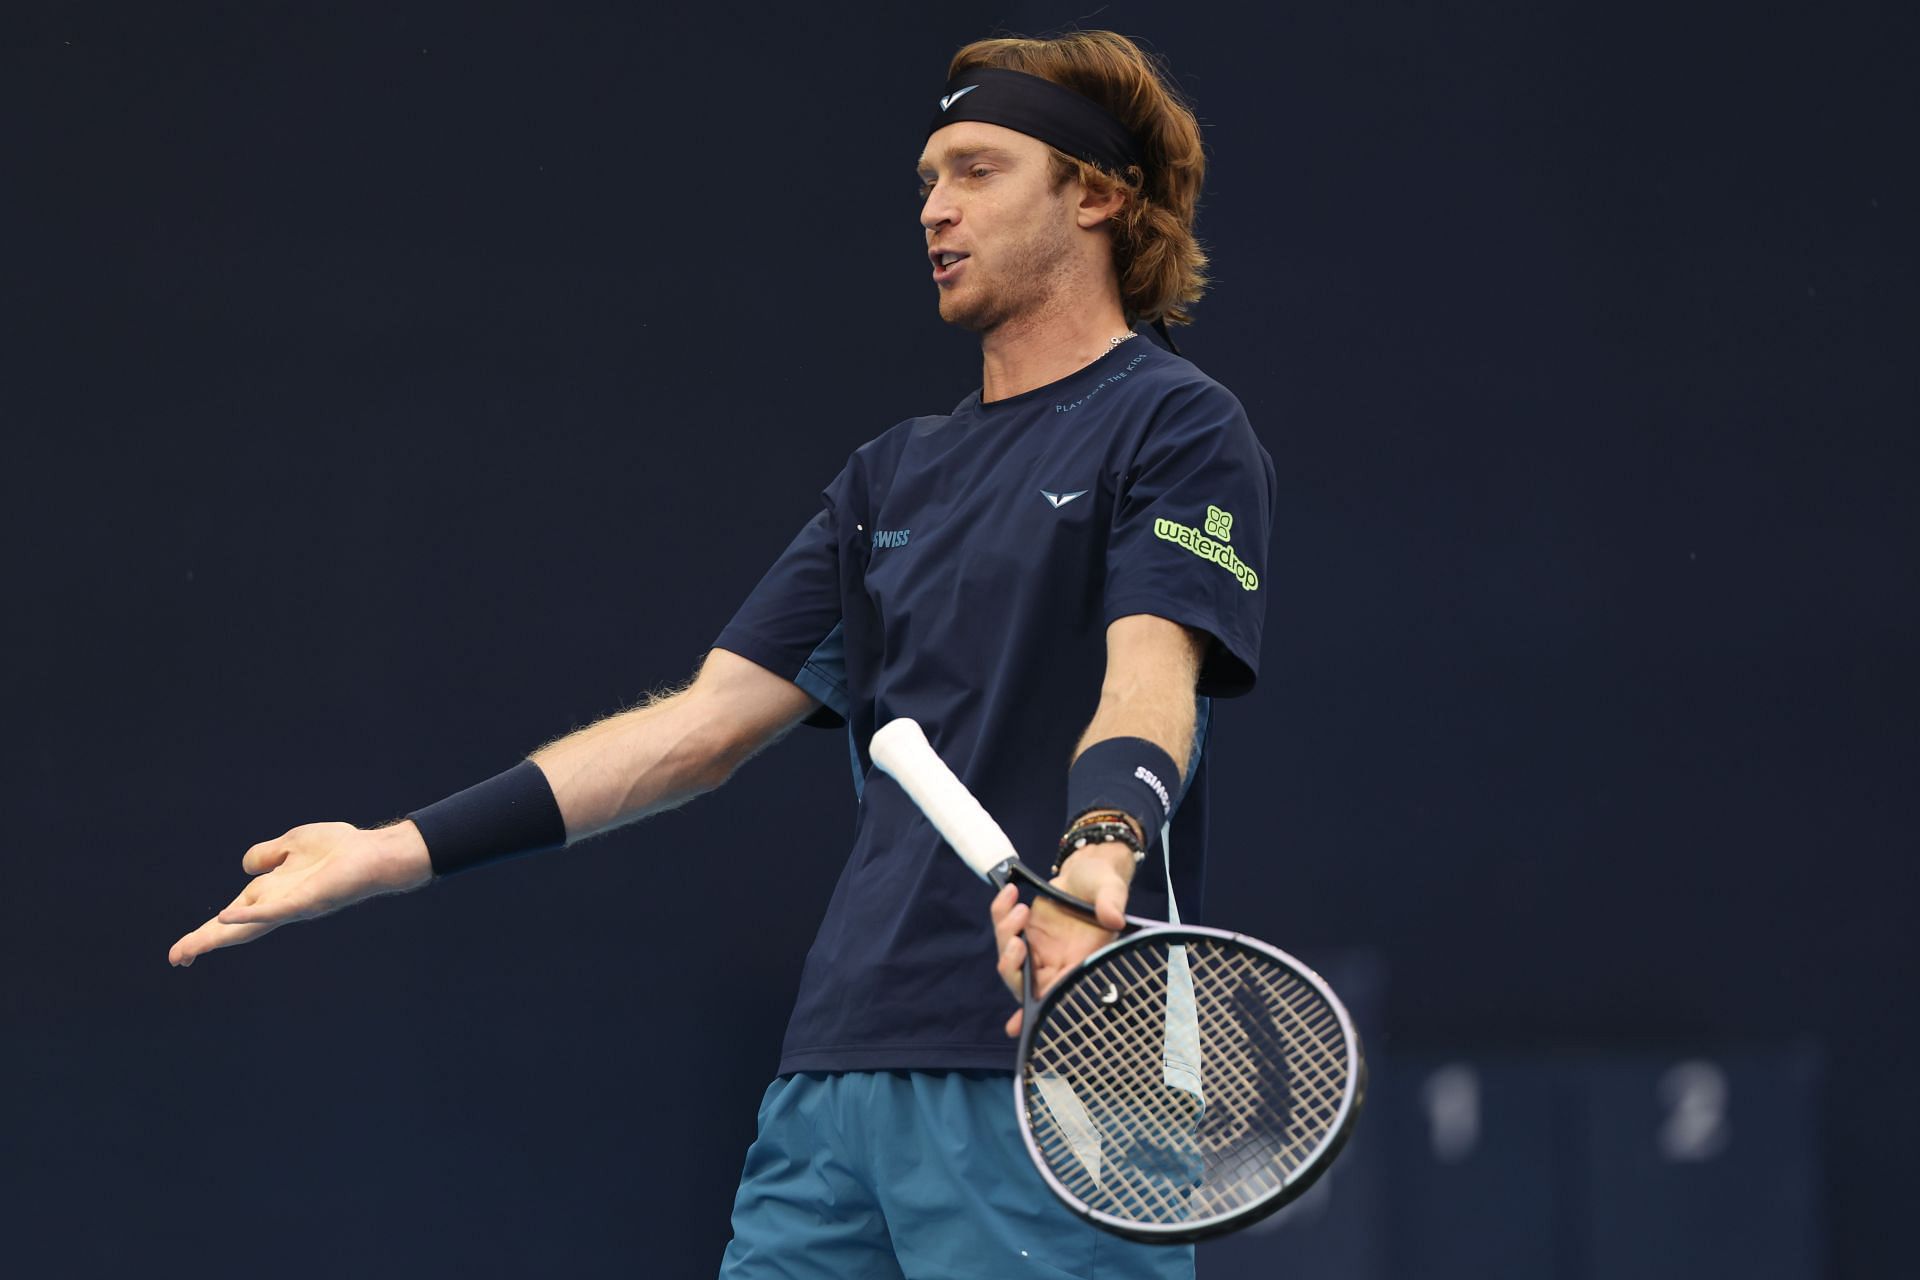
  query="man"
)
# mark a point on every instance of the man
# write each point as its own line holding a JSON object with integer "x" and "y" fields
{"x": 1054, "y": 579}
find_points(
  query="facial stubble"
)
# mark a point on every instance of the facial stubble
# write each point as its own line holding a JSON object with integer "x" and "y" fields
{"x": 1020, "y": 279}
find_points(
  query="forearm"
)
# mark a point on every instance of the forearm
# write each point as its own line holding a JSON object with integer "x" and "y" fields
{"x": 1133, "y": 707}
{"x": 640, "y": 762}
{"x": 669, "y": 750}
{"x": 1147, "y": 692}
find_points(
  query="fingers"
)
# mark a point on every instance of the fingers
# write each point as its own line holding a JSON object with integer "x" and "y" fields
{"x": 233, "y": 911}
{"x": 268, "y": 854}
{"x": 1061, "y": 940}
{"x": 1012, "y": 957}
{"x": 279, "y": 897}
{"x": 275, "y": 898}
{"x": 249, "y": 907}
{"x": 211, "y": 936}
{"x": 1095, "y": 875}
{"x": 310, "y": 871}
{"x": 1013, "y": 1023}
{"x": 1009, "y": 916}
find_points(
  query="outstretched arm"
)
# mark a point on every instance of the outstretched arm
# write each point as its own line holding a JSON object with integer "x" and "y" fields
{"x": 653, "y": 757}
{"x": 1153, "y": 667}
{"x": 662, "y": 754}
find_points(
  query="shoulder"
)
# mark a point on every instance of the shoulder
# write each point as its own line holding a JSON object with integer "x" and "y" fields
{"x": 1186, "y": 389}
{"x": 881, "y": 455}
{"x": 1188, "y": 405}
{"x": 895, "y": 440}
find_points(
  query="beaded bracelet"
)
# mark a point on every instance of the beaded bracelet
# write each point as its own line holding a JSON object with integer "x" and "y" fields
{"x": 1083, "y": 834}
{"x": 1101, "y": 815}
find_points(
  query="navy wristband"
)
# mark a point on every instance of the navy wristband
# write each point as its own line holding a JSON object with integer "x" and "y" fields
{"x": 1129, "y": 774}
{"x": 509, "y": 814}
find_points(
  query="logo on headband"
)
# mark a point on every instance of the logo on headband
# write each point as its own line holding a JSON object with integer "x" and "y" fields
{"x": 956, "y": 95}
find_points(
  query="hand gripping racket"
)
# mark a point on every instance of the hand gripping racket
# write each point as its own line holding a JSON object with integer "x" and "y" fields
{"x": 1182, "y": 1082}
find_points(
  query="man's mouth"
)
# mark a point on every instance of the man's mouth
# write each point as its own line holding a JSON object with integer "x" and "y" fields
{"x": 945, "y": 263}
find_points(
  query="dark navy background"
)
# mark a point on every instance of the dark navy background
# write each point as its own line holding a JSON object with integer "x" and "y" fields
{"x": 387, "y": 389}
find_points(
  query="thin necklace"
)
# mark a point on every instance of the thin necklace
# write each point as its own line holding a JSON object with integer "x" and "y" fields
{"x": 1114, "y": 342}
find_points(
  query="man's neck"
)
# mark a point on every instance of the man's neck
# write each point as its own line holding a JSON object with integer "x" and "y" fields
{"x": 1032, "y": 350}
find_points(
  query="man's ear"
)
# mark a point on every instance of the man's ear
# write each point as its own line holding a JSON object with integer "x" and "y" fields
{"x": 1096, "y": 209}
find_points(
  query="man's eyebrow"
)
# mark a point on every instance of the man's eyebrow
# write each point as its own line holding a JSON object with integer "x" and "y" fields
{"x": 954, "y": 154}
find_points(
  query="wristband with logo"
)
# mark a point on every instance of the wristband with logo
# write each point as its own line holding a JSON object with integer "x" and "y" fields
{"x": 1131, "y": 775}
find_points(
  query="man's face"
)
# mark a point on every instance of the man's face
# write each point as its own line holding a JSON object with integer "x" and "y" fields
{"x": 1000, "y": 237}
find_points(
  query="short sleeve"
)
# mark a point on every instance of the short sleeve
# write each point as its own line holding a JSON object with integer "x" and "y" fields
{"x": 1190, "y": 530}
{"x": 790, "y": 622}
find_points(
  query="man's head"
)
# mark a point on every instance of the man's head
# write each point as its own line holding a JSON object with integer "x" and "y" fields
{"x": 1105, "y": 203}
{"x": 1007, "y": 239}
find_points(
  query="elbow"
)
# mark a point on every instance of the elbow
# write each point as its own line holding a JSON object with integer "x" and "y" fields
{"x": 719, "y": 765}
{"x": 713, "y": 749}
{"x": 701, "y": 762}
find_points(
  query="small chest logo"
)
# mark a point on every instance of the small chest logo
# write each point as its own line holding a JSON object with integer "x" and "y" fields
{"x": 1062, "y": 499}
{"x": 883, "y": 538}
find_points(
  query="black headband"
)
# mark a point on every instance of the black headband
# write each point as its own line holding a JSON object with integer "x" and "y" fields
{"x": 1040, "y": 109}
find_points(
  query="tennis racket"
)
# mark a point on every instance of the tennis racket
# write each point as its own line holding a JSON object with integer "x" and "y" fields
{"x": 1182, "y": 1082}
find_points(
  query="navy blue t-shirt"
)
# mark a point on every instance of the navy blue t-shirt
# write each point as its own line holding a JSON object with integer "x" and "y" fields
{"x": 962, "y": 571}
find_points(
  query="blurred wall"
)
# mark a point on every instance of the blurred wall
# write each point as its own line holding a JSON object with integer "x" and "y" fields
{"x": 391, "y": 388}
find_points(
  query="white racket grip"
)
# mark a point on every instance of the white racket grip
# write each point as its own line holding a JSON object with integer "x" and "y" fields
{"x": 901, "y": 749}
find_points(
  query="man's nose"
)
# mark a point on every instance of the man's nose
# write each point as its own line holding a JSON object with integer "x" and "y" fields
{"x": 937, "y": 210}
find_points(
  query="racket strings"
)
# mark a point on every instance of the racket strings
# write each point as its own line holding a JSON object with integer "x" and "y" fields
{"x": 1109, "y": 1054}
{"x": 1143, "y": 1161}
{"x": 1120, "y": 1133}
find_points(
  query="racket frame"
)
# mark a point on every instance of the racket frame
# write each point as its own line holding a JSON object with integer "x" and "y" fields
{"x": 1142, "y": 932}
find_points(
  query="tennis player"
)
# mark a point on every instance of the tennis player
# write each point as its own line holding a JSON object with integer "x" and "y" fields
{"x": 1055, "y": 579}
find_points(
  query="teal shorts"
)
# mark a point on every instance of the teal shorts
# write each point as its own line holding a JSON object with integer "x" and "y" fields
{"x": 894, "y": 1174}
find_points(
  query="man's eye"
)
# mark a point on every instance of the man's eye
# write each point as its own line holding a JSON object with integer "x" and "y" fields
{"x": 979, "y": 171}
{"x": 926, "y": 189}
